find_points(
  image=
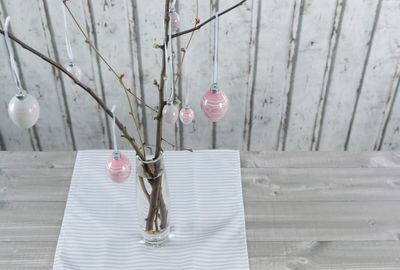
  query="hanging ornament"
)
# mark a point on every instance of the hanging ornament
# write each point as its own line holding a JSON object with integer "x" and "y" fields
{"x": 71, "y": 67}
{"x": 174, "y": 17}
{"x": 74, "y": 70}
{"x": 118, "y": 166}
{"x": 170, "y": 111}
{"x": 215, "y": 103}
{"x": 186, "y": 114}
{"x": 23, "y": 108}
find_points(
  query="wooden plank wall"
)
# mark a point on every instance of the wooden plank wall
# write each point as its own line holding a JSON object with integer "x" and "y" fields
{"x": 300, "y": 74}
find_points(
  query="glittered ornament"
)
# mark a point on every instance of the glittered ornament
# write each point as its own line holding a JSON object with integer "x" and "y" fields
{"x": 170, "y": 113}
{"x": 186, "y": 115}
{"x": 175, "y": 19}
{"x": 24, "y": 110}
{"x": 118, "y": 167}
{"x": 74, "y": 70}
{"x": 214, "y": 104}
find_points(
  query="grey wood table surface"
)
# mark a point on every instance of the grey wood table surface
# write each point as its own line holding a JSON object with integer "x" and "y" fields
{"x": 304, "y": 210}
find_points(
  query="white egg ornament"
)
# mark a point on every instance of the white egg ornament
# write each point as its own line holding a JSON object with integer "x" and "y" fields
{"x": 24, "y": 110}
{"x": 170, "y": 113}
{"x": 175, "y": 19}
{"x": 74, "y": 70}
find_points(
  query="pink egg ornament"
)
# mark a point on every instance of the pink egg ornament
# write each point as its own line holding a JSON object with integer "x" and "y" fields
{"x": 24, "y": 110}
{"x": 118, "y": 167}
{"x": 186, "y": 115}
{"x": 214, "y": 104}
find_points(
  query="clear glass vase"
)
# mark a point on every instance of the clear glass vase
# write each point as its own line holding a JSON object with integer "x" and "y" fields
{"x": 152, "y": 200}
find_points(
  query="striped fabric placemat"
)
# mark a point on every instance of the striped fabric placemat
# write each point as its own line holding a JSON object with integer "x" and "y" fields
{"x": 100, "y": 230}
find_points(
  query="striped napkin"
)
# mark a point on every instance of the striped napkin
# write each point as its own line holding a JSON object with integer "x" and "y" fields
{"x": 100, "y": 229}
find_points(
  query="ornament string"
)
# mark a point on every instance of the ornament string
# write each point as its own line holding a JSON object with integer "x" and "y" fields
{"x": 11, "y": 55}
{"x": 67, "y": 42}
{"x": 113, "y": 129}
{"x": 216, "y": 49}
{"x": 171, "y": 70}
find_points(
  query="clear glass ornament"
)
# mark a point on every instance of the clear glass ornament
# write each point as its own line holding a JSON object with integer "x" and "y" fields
{"x": 118, "y": 167}
{"x": 24, "y": 110}
{"x": 214, "y": 104}
{"x": 170, "y": 113}
{"x": 175, "y": 19}
{"x": 186, "y": 115}
{"x": 74, "y": 70}
{"x": 152, "y": 200}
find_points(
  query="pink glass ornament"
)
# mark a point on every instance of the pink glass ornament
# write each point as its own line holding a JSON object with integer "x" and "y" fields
{"x": 214, "y": 104}
{"x": 24, "y": 110}
{"x": 118, "y": 167}
{"x": 74, "y": 70}
{"x": 186, "y": 115}
{"x": 175, "y": 20}
{"x": 170, "y": 113}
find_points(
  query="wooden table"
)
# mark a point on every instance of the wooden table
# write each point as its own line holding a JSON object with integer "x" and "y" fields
{"x": 304, "y": 210}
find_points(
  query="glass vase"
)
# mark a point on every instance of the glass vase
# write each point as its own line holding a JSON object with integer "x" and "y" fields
{"x": 152, "y": 200}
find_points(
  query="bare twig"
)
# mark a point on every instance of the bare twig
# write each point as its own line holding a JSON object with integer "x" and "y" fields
{"x": 184, "y": 51}
{"x": 177, "y": 147}
{"x": 84, "y": 87}
{"x": 207, "y": 21}
{"x": 119, "y": 76}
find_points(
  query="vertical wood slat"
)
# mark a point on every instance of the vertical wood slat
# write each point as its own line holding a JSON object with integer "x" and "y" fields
{"x": 13, "y": 138}
{"x": 328, "y": 71}
{"x": 275, "y": 92}
{"x": 197, "y": 64}
{"x": 88, "y": 133}
{"x": 234, "y": 36}
{"x": 113, "y": 35}
{"x": 307, "y": 75}
{"x": 377, "y": 87}
{"x": 347, "y": 72}
{"x": 40, "y": 78}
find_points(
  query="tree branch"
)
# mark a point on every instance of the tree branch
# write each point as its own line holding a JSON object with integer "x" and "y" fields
{"x": 207, "y": 21}
{"x": 84, "y": 87}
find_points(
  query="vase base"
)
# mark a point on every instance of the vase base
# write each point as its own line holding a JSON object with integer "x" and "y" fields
{"x": 156, "y": 239}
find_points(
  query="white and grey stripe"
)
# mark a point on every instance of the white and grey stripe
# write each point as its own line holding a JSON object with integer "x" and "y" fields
{"x": 100, "y": 229}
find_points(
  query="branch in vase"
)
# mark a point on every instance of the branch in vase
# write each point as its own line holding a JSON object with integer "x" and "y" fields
{"x": 83, "y": 86}
{"x": 208, "y": 20}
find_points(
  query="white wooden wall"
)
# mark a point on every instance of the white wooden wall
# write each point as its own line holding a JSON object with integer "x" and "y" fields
{"x": 300, "y": 74}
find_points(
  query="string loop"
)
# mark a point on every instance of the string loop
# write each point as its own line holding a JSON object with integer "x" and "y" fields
{"x": 67, "y": 42}
{"x": 14, "y": 67}
{"x": 113, "y": 129}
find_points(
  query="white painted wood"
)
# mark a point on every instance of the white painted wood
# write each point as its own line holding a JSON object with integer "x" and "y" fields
{"x": 287, "y": 91}
{"x": 315, "y": 35}
{"x": 112, "y": 27}
{"x": 234, "y": 36}
{"x": 197, "y": 64}
{"x": 40, "y": 79}
{"x": 13, "y": 137}
{"x": 346, "y": 76}
{"x": 88, "y": 134}
{"x": 270, "y": 159}
{"x": 278, "y": 23}
{"x": 376, "y": 92}
{"x": 318, "y": 218}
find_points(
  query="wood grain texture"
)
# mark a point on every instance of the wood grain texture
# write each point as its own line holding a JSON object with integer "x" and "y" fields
{"x": 304, "y": 210}
{"x": 300, "y": 74}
